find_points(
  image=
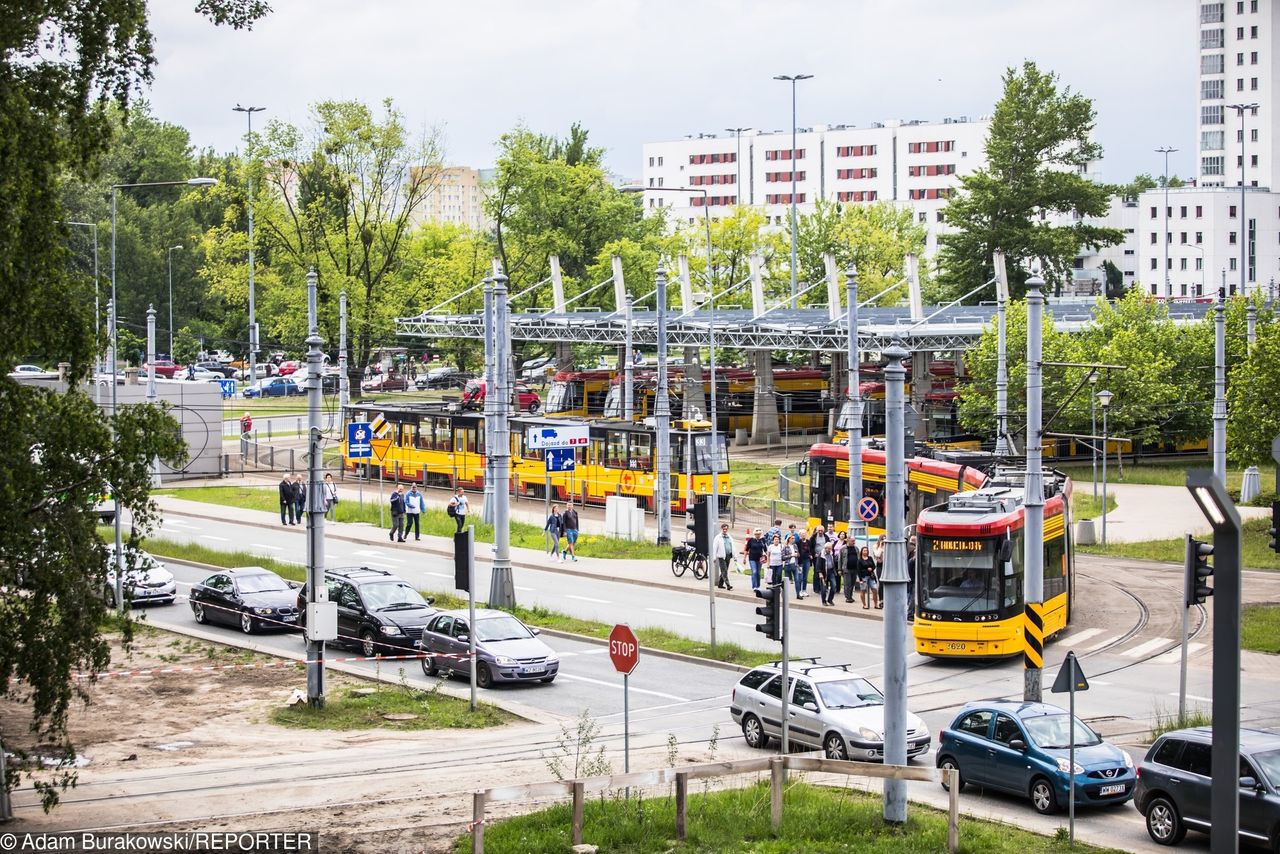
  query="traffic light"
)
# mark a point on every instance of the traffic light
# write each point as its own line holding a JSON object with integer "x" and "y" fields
{"x": 1197, "y": 572}
{"x": 1275, "y": 526}
{"x": 701, "y": 525}
{"x": 771, "y": 610}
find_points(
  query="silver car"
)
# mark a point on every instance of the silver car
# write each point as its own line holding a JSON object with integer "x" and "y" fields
{"x": 831, "y": 708}
{"x": 146, "y": 580}
{"x": 506, "y": 649}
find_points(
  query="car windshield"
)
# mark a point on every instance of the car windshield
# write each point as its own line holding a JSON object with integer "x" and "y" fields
{"x": 263, "y": 582}
{"x": 501, "y": 629}
{"x": 1269, "y": 765}
{"x": 1050, "y": 732}
{"x": 849, "y": 694}
{"x": 388, "y": 595}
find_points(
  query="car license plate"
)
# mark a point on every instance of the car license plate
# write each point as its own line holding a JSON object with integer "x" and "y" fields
{"x": 290, "y": 618}
{"x": 1111, "y": 790}
{"x": 535, "y": 669}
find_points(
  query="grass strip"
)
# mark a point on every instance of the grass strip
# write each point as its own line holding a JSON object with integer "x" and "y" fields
{"x": 435, "y": 523}
{"x": 815, "y": 818}
{"x": 1085, "y": 506}
{"x": 651, "y": 637}
{"x": 1260, "y": 630}
{"x": 356, "y": 708}
{"x": 1257, "y": 553}
{"x": 1170, "y": 722}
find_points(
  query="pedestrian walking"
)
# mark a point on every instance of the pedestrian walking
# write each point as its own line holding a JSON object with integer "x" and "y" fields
{"x": 866, "y": 570}
{"x": 287, "y": 508}
{"x": 299, "y": 498}
{"x": 330, "y": 497}
{"x": 830, "y": 573}
{"x": 754, "y": 551}
{"x": 848, "y": 566}
{"x": 789, "y": 560}
{"x": 722, "y": 553}
{"x": 877, "y": 552}
{"x": 554, "y": 532}
{"x": 414, "y": 504}
{"x": 397, "y": 515}
{"x": 774, "y": 554}
{"x": 804, "y": 559}
{"x": 458, "y": 508}
{"x": 569, "y": 524}
{"x": 818, "y": 551}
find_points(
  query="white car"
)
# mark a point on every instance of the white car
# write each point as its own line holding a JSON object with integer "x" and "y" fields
{"x": 200, "y": 375}
{"x": 27, "y": 369}
{"x": 146, "y": 580}
{"x": 264, "y": 370}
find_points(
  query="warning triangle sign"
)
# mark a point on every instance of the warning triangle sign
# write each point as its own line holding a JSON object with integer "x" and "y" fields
{"x": 1069, "y": 672}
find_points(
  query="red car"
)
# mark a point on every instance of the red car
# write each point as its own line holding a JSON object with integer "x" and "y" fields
{"x": 287, "y": 368}
{"x": 166, "y": 368}
{"x": 394, "y": 382}
{"x": 527, "y": 398}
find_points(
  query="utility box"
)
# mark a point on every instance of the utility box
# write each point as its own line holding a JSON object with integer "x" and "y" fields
{"x": 620, "y": 513}
{"x": 322, "y": 621}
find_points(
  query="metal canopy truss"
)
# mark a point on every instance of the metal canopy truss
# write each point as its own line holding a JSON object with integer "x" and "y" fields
{"x": 803, "y": 329}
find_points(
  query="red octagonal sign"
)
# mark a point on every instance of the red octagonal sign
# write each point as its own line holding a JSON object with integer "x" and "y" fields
{"x": 624, "y": 649}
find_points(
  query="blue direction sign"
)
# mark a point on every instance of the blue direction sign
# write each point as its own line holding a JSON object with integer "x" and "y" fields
{"x": 545, "y": 437}
{"x": 868, "y": 509}
{"x": 560, "y": 459}
{"x": 358, "y": 436}
{"x": 228, "y": 387}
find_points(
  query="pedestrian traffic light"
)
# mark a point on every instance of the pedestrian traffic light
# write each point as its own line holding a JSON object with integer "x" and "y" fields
{"x": 1198, "y": 570}
{"x": 1275, "y": 526}
{"x": 771, "y": 610}
{"x": 700, "y": 527}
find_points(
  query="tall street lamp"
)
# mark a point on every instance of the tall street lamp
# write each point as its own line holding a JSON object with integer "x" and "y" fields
{"x": 1166, "y": 151}
{"x": 1244, "y": 223}
{"x": 1104, "y": 400}
{"x": 737, "y": 159}
{"x": 793, "y": 79}
{"x": 115, "y": 190}
{"x": 1093, "y": 428}
{"x": 171, "y": 250}
{"x": 253, "y": 326}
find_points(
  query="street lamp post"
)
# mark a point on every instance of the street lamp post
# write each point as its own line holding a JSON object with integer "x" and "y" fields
{"x": 1244, "y": 223}
{"x": 1104, "y": 400}
{"x": 793, "y": 79}
{"x": 253, "y": 326}
{"x": 737, "y": 159}
{"x": 1166, "y": 151}
{"x": 115, "y": 351}
{"x": 1093, "y": 428}
{"x": 171, "y": 248}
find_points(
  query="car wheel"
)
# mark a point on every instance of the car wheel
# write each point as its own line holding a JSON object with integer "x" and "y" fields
{"x": 368, "y": 645}
{"x": 246, "y": 623}
{"x": 533, "y": 408}
{"x": 1043, "y": 797}
{"x": 1163, "y": 824}
{"x": 198, "y": 610}
{"x": 947, "y": 763}
{"x": 753, "y": 732}
{"x": 833, "y": 746}
{"x": 484, "y": 677}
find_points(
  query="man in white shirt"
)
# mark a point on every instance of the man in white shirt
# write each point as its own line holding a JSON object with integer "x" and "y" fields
{"x": 722, "y": 553}
{"x": 413, "y": 507}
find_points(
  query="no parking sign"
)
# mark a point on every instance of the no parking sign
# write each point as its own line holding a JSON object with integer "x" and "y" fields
{"x": 868, "y": 509}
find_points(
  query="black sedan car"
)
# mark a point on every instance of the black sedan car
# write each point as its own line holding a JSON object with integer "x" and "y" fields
{"x": 250, "y": 597}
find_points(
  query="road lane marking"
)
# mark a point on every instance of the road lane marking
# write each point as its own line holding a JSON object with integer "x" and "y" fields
{"x": 1101, "y": 644}
{"x": 526, "y": 589}
{"x": 1082, "y": 635}
{"x": 438, "y": 574}
{"x": 672, "y": 613}
{"x": 378, "y": 565}
{"x": 1193, "y": 697}
{"x": 1174, "y": 656}
{"x": 1144, "y": 648}
{"x": 746, "y": 625}
{"x": 601, "y": 651}
{"x": 212, "y": 537}
{"x": 265, "y": 546}
{"x": 850, "y": 640}
{"x": 631, "y": 688}
{"x": 178, "y": 523}
{"x": 588, "y": 599}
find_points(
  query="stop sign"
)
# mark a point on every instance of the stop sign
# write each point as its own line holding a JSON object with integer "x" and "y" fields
{"x": 624, "y": 649}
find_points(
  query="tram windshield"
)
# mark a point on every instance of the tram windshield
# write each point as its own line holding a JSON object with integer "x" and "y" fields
{"x": 702, "y": 453}
{"x": 564, "y": 397}
{"x": 958, "y": 574}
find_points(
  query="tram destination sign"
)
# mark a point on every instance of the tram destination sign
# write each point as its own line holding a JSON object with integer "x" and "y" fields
{"x": 546, "y": 437}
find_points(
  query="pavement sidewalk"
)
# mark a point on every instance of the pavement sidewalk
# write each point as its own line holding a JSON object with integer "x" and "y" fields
{"x": 1147, "y": 512}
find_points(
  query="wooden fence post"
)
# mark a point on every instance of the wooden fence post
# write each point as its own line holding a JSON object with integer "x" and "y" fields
{"x": 776, "y": 776}
{"x": 682, "y": 804}
{"x": 952, "y": 777}
{"x": 477, "y": 823}
{"x": 577, "y": 811}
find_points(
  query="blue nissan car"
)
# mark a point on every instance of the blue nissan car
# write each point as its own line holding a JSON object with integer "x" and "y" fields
{"x": 1023, "y": 748}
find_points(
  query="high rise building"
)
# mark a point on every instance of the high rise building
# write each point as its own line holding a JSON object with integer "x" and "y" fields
{"x": 457, "y": 198}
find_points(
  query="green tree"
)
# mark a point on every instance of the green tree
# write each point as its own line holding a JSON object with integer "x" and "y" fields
{"x": 63, "y": 66}
{"x": 1040, "y": 141}
{"x": 1252, "y": 391}
{"x": 876, "y": 237}
{"x": 1114, "y": 280}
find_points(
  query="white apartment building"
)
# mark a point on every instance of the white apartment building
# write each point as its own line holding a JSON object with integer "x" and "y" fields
{"x": 457, "y": 198}
{"x": 912, "y": 163}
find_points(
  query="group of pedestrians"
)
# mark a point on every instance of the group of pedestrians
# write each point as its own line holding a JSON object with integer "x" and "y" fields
{"x": 562, "y": 532}
{"x": 838, "y": 565}
{"x": 407, "y": 509}
{"x": 293, "y": 498}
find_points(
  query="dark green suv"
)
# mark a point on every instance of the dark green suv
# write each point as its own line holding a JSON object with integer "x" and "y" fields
{"x": 1174, "y": 782}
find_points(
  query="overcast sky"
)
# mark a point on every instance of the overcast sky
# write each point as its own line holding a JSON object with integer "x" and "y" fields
{"x": 635, "y": 71}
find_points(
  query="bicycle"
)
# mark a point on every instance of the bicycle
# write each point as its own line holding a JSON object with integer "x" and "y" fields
{"x": 687, "y": 557}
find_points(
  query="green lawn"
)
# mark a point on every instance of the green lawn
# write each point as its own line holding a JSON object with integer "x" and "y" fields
{"x": 815, "y": 818}
{"x": 1260, "y": 630}
{"x": 1084, "y": 506}
{"x": 1257, "y": 553}
{"x": 753, "y": 480}
{"x": 355, "y": 709}
{"x": 434, "y": 522}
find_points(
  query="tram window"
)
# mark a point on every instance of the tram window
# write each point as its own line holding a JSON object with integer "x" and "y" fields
{"x": 444, "y": 434}
{"x": 959, "y": 575}
{"x": 463, "y": 439}
{"x": 616, "y": 451}
{"x": 641, "y": 457}
{"x": 480, "y": 444}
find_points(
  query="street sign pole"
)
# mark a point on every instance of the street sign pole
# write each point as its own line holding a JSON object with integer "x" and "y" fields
{"x": 624, "y": 652}
{"x": 1070, "y": 679}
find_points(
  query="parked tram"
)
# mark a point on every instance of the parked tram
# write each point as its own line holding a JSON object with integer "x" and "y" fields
{"x": 930, "y": 481}
{"x": 579, "y": 394}
{"x": 441, "y": 445}
{"x": 969, "y": 581}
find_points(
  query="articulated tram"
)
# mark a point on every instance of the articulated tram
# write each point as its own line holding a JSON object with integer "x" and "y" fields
{"x": 440, "y": 445}
{"x": 970, "y": 569}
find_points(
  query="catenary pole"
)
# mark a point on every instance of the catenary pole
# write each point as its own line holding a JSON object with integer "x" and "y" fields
{"x": 857, "y": 527}
{"x": 662, "y": 415}
{"x": 315, "y": 489}
{"x": 894, "y": 580}
{"x": 1002, "y": 353}
{"x": 628, "y": 371}
{"x": 1033, "y": 503}
{"x": 253, "y": 325}
{"x": 1168, "y": 286}
{"x": 490, "y": 394}
{"x": 1220, "y": 386}
{"x": 151, "y": 354}
{"x": 344, "y": 382}
{"x": 501, "y": 585}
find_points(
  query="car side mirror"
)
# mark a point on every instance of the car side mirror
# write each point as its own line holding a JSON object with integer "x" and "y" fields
{"x": 535, "y": 631}
{"x": 1248, "y": 783}
{"x": 431, "y": 600}
{"x": 1018, "y": 745}
{"x": 1006, "y": 551}
{"x": 810, "y": 707}
{"x": 464, "y": 638}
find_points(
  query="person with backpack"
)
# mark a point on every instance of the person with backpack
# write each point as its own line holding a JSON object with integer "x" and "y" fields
{"x": 397, "y": 515}
{"x": 554, "y": 531}
{"x": 330, "y": 497}
{"x": 458, "y": 507}
{"x": 569, "y": 524}
{"x": 414, "y": 504}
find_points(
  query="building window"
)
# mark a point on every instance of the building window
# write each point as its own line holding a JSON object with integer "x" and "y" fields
{"x": 659, "y": 180}
{"x": 1199, "y": 237}
{"x": 650, "y": 182}
{"x": 1211, "y": 140}
{"x": 1253, "y": 83}
{"x": 1211, "y": 115}
{"x": 941, "y": 217}
{"x": 1253, "y": 135}
{"x": 1199, "y": 264}
{"x": 1182, "y": 212}
{"x": 1211, "y": 39}
{"x": 1153, "y": 238}
{"x": 650, "y": 161}
{"x": 855, "y": 150}
{"x": 1253, "y": 160}
{"x": 1153, "y": 266}
{"x": 1231, "y": 211}
{"x": 777, "y": 177}
{"x": 1211, "y": 13}
{"x": 1210, "y": 63}
{"x": 1153, "y": 211}
{"x": 923, "y": 216}
{"x": 1209, "y": 166}
{"x": 1239, "y": 32}
{"x": 1253, "y": 32}
{"x": 784, "y": 154}
{"x": 1231, "y": 238}
{"x": 1253, "y": 6}
{"x": 1199, "y": 213}
{"x": 1232, "y": 263}
{"x": 1253, "y": 57}
{"x": 1239, "y": 59}
{"x": 1182, "y": 237}
{"x": 1182, "y": 264}
{"x": 659, "y": 161}
{"x": 1210, "y": 90}
{"x": 931, "y": 147}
